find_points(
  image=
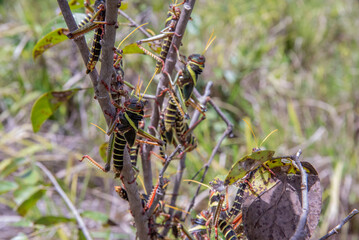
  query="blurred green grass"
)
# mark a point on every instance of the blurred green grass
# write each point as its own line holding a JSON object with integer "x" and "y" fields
{"x": 287, "y": 65}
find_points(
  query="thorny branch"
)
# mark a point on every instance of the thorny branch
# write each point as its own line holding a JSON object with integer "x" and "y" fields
{"x": 337, "y": 228}
{"x": 300, "y": 230}
{"x": 100, "y": 92}
{"x": 164, "y": 81}
{"x": 68, "y": 202}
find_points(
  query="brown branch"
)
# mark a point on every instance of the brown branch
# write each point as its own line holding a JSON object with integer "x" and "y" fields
{"x": 107, "y": 46}
{"x": 202, "y": 99}
{"x": 100, "y": 92}
{"x": 122, "y": 13}
{"x": 176, "y": 187}
{"x": 160, "y": 191}
{"x": 337, "y": 228}
{"x": 103, "y": 98}
{"x": 206, "y": 166}
{"x": 134, "y": 198}
{"x": 164, "y": 81}
{"x": 107, "y": 72}
{"x": 300, "y": 230}
{"x": 227, "y": 133}
{"x": 221, "y": 114}
{"x": 68, "y": 202}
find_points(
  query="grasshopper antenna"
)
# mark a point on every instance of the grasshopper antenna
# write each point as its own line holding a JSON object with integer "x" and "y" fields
{"x": 209, "y": 42}
{"x": 141, "y": 96}
{"x": 119, "y": 45}
{"x": 247, "y": 121}
{"x": 191, "y": 180}
{"x": 98, "y": 127}
{"x": 267, "y": 137}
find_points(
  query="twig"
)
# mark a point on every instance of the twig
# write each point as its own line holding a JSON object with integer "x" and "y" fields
{"x": 164, "y": 81}
{"x": 176, "y": 187}
{"x": 68, "y": 202}
{"x": 221, "y": 114}
{"x": 160, "y": 191}
{"x": 122, "y": 13}
{"x": 107, "y": 45}
{"x": 227, "y": 132}
{"x": 101, "y": 93}
{"x": 203, "y": 100}
{"x": 206, "y": 166}
{"x": 300, "y": 230}
{"x": 168, "y": 160}
{"x": 337, "y": 228}
{"x": 134, "y": 198}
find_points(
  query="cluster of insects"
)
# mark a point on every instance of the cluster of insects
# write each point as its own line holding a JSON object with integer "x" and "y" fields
{"x": 127, "y": 128}
{"x": 252, "y": 174}
{"x": 127, "y": 131}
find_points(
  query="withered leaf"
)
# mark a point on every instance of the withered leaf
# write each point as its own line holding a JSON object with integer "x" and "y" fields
{"x": 274, "y": 210}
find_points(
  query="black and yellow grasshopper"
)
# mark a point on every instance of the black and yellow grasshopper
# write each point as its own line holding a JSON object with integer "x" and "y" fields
{"x": 166, "y": 35}
{"x": 220, "y": 217}
{"x": 174, "y": 124}
{"x": 123, "y": 130}
{"x": 216, "y": 216}
{"x": 93, "y": 21}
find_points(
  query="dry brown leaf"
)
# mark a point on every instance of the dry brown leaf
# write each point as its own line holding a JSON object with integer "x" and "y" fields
{"x": 274, "y": 213}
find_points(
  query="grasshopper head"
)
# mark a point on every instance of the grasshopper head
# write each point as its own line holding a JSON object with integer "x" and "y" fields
{"x": 197, "y": 58}
{"x": 133, "y": 105}
{"x": 196, "y": 61}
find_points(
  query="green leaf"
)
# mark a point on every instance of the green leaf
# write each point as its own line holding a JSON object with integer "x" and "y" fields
{"x": 10, "y": 165}
{"x": 25, "y": 192}
{"x": 132, "y": 48}
{"x": 47, "y": 104}
{"x": 59, "y": 22}
{"x": 30, "y": 202}
{"x": 49, "y": 40}
{"x": 7, "y": 186}
{"x": 103, "y": 151}
{"x": 24, "y": 223}
{"x": 247, "y": 164}
{"x": 52, "y": 220}
{"x": 30, "y": 176}
{"x": 97, "y": 216}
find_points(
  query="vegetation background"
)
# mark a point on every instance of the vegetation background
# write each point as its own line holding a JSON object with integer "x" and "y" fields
{"x": 287, "y": 65}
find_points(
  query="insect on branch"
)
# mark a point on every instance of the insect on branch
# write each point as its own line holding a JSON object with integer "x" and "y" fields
{"x": 163, "y": 83}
